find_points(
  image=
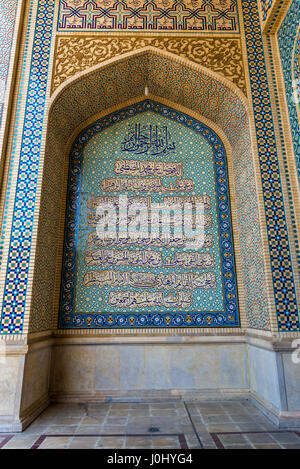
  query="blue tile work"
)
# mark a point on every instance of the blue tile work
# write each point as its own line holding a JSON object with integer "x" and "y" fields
{"x": 282, "y": 271}
{"x": 140, "y": 16}
{"x": 20, "y": 245}
{"x": 84, "y": 305}
{"x": 8, "y": 10}
{"x": 21, "y": 233}
{"x": 289, "y": 47}
{"x": 266, "y": 6}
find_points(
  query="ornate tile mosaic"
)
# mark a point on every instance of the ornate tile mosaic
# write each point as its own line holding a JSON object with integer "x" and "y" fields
{"x": 7, "y": 23}
{"x": 266, "y": 6}
{"x": 158, "y": 281}
{"x": 282, "y": 271}
{"x": 20, "y": 245}
{"x": 75, "y": 54}
{"x": 142, "y": 16}
{"x": 19, "y": 254}
{"x": 289, "y": 47}
{"x": 180, "y": 84}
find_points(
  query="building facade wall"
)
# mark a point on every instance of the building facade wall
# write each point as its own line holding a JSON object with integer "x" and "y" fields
{"x": 70, "y": 52}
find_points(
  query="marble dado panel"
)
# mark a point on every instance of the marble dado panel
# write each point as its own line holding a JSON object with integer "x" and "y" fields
{"x": 74, "y": 54}
{"x": 169, "y": 16}
{"x": 126, "y": 369}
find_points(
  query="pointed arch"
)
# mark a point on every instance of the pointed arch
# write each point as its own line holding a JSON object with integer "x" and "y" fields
{"x": 183, "y": 85}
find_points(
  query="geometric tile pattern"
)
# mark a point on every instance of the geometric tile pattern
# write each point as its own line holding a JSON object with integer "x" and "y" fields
{"x": 19, "y": 252}
{"x": 201, "y": 316}
{"x": 203, "y": 94}
{"x": 289, "y": 47}
{"x": 149, "y": 16}
{"x": 7, "y": 23}
{"x": 282, "y": 272}
{"x": 266, "y": 6}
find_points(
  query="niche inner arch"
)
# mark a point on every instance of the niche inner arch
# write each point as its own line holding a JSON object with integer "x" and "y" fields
{"x": 131, "y": 161}
{"x": 184, "y": 86}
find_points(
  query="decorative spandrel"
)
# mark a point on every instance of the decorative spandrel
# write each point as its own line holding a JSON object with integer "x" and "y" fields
{"x": 148, "y": 240}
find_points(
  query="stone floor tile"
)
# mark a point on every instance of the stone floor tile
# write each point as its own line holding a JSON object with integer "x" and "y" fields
{"x": 140, "y": 406}
{"x": 92, "y": 420}
{"x": 206, "y": 440}
{"x": 290, "y": 446}
{"x": 134, "y": 429}
{"x": 250, "y": 427}
{"x": 233, "y": 439}
{"x": 241, "y": 418}
{"x": 114, "y": 429}
{"x": 118, "y": 413}
{"x": 260, "y": 438}
{"x": 121, "y": 406}
{"x": 36, "y": 429}
{"x": 217, "y": 418}
{"x": 116, "y": 421}
{"x": 111, "y": 442}
{"x": 139, "y": 412}
{"x": 138, "y": 442}
{"x": 166, "y": 405}
{"x": 200, "y": 427}
{"x": 222, "y": 427}
{"x": 166, "y": 442}
{"x": 132, "y": 419}
{"x": 62, "y": 429}
{"x": 245, "y": 446}
{"x": 21, "y": 442}
{"x": 80, "y": 442}
{"x": 192, "y": 441}
{"x": 266, "y": 446}
{"x": 168, "y": 412}
{"x": 285, "y": 437}
{"x": 90, "y": 429}
{"x": 139, "y": 418}
{"x": 58, "y": 442}
{"x": 187, "y": 420}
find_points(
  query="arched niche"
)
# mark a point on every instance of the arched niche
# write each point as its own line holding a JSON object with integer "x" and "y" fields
{"x": 181, "y": 85}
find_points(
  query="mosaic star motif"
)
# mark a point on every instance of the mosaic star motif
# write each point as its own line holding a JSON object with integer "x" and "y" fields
{"x": 149, "y": 15}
